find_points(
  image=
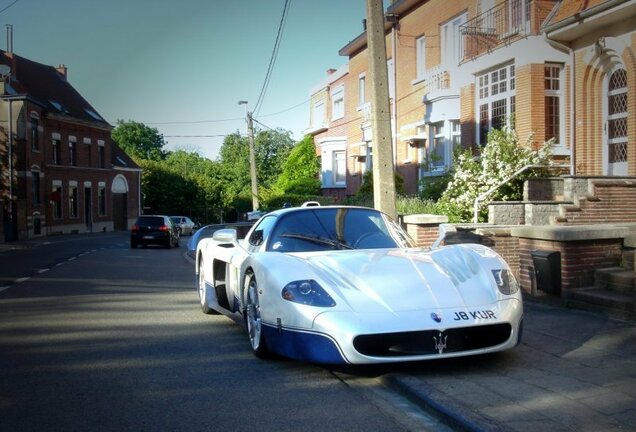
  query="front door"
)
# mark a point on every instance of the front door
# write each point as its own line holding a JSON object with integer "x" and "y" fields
{"x": 615, "y": 145}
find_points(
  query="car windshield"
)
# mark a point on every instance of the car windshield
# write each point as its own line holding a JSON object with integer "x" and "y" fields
{"x": 335, "y": 228}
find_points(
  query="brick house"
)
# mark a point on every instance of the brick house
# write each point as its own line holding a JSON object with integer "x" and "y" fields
{"x": 329, "y": 129}
{"x": 61, "y": 171}
{"x": 561, "y": 70}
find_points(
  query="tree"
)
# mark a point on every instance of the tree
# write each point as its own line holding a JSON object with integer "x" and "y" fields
{"x": 139, "y": 141}
{"x": 300, "y": 170}
{"x": 502, "y": 156}
{"x": 272, "y": 148}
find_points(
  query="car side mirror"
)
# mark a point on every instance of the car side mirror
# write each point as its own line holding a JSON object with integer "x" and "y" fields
{"x": 226, "y": 235}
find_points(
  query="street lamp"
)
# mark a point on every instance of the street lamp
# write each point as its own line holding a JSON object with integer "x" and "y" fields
{"x": 250, "y": 136}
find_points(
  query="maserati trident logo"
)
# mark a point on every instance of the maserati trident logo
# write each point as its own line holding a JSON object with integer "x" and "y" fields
{"x": 437, "y": 318}
{"x": 440, "y": 344}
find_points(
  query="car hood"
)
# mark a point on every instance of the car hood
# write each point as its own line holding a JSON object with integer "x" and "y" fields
{"x": 397, "y": 280}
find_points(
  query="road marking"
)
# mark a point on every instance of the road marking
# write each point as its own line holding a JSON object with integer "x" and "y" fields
{"x": 22, "y": 279}
{"x": 42, "y": 271}
{"x": 72, "y": 258}
{"x": 5, "y": 288}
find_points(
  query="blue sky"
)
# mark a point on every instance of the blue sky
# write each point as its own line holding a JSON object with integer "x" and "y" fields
{"x": 159, "y": 61}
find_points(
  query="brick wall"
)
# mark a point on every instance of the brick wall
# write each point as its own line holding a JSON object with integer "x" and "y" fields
{"x": 579, "y": 260}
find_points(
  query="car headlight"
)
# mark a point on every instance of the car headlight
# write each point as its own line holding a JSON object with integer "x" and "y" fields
{"x": 506, "y": 282}
{"x": 307, "y": 292}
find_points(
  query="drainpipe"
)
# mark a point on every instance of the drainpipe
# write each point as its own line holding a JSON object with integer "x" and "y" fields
{"x": 566, "y": 48}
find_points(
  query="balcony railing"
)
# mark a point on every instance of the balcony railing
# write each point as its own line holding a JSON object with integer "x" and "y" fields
{"x": 501, "y": 25}
{"x": 437, "y": 78}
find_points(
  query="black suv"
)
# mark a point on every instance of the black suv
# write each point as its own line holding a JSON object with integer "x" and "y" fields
{"x": 154, "y": 229}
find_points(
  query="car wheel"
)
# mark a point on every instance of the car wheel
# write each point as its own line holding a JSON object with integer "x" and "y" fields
{"x": 203, "y": 291}
{"x": 253, "y": 317}
{"x": 169, "y": 243}
{"x": 133, "y": 245}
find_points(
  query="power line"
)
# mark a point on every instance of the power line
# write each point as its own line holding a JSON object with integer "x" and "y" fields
{"x": 272, "y": 60}
{"x": 197, "y": 121}
{"x": 227, "y": 119}
{"x": 195, "y": 136}
{"x": 7, "y": 7}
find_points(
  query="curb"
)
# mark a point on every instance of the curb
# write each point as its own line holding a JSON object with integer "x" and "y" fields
{"x": 440, "y": 405}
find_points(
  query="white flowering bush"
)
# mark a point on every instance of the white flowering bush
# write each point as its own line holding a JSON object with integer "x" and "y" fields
{"x": 502, "y": 156}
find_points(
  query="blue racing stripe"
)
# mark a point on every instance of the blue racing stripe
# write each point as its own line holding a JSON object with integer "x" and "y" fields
{"x": 301, "y": 345}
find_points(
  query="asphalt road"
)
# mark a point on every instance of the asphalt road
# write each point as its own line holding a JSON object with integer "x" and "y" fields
{"x": 95, "y": 336}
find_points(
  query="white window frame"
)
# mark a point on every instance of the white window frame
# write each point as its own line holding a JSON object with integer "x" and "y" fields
{"x": 450, "y": 38}
{"x": 362, "y": 89}
{"x": 337, "y": 102}
{"x": 549, "y": 84}
{"x": 420, "y": 58}
{"x": 328, "y": 147}
{"x": 339, "y": 168}
{"x": 490, "y": 90}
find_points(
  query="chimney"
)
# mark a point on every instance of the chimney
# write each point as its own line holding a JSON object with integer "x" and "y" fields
{"x": 9, "y": 38}
{"x": 63, "y": 70}
{"x": 330, "y": 71}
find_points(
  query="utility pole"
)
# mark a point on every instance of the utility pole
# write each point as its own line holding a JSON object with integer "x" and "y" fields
{"x": 383, "y": 168}
{"x": 250, "y": 137}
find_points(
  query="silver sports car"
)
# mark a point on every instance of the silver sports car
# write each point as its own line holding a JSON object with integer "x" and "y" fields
{"x": 340, "y": 284}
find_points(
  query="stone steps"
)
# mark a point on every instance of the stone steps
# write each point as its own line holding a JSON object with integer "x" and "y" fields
{"x": 614, "y": 304}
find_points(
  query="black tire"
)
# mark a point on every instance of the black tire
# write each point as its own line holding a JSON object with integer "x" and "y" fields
{"x": 202, "y": 288}
{"x": 133, "y": 244}
{"x": 252, "y": 317}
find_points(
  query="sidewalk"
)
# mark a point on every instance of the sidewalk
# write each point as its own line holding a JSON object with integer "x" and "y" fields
{"x": 574, "y": 371}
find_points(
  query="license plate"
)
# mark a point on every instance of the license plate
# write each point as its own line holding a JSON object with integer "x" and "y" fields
{"x": 148, "y": 237}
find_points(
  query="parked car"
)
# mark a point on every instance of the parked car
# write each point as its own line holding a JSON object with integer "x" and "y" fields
{"x": 185, "y": 224}
{"x": 154, "y": 229}
{"x": 208, "y": 231}
{"x": 341, "y": 284}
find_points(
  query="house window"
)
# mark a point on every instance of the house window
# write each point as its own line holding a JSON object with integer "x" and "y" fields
{"x": 319, "y": 114}
{"x": 420, "y": 57}
{"x": 35, "y": 188}
{"x": 73, "y": 204}
{"x": 495, "y": 100}
{"x": 35, "y": 134}
{"x": 436, "y": 151}
{"x": 56, "y": 200}
{"x": 456, "y": 135}
{"x": 339, "y": 168}
{"x": 72, "y": 153}
{"x": 450, "y": 41}
{"x": 361, "y": 89}
{"x": 101, "y": 200}
{"x": 56, "y": 151}
{"x": 101, "y": 156}
{"x": 333, "y": 166}
{"x": 337, "y": 101}
{"x": 553, "y": 103}
{"x": 617, "y": 108}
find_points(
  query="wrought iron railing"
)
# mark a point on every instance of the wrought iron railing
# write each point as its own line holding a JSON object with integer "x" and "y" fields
{"x": 509, "y": 21}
